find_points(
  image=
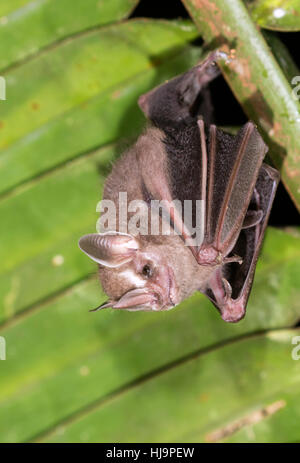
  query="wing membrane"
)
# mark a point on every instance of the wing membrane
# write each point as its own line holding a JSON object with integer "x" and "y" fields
{"x": 233, "y": 166}
{"x": 230, "y": 287}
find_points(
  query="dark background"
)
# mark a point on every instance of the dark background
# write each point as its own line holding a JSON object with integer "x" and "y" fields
{"x": 283, "y": 212}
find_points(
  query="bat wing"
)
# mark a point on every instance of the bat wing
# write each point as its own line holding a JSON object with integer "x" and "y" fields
{"x": 228, "y": 182}
{"x": 231, "y": 283}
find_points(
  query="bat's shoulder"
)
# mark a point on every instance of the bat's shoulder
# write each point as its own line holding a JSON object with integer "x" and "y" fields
{"x": 151, "y": 139}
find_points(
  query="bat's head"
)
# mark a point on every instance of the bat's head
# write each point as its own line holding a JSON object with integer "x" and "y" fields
{"x": 139, "y": 274}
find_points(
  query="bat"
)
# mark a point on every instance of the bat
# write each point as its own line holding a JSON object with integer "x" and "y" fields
{"x": 182, "y": 158}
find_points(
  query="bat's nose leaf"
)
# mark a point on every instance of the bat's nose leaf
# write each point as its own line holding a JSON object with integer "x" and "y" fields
{"x": 136, "y": 298}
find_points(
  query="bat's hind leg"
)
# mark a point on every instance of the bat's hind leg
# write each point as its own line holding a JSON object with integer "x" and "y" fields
{"x": 182, "y": 98}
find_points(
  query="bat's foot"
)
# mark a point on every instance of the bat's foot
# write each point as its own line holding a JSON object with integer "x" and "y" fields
{"x": 233, "y": 310}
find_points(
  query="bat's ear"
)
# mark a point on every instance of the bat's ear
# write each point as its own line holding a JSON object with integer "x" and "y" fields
{"x": 111, "y": 249}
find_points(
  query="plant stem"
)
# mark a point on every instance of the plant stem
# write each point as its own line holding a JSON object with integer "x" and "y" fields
{"x": 257, "y": 81}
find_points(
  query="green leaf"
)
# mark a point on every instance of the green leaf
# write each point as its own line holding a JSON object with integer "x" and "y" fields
{"x": 209, "y": 395}
{"x": 7, "y": 6}
{"x": 278, "y": 427}
{"x": 102, "y": 353}
{"x": 37, "y": 24}
{"x": 279, "y": 15}
{"x": 39, "y": 228}
{"x": 71, "y": 109}
{"x": 103, "y": 119}
{"x": 73, "y": 98}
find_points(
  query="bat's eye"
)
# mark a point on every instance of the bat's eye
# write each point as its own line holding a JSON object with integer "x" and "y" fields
{"x": 147, "y": 271}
